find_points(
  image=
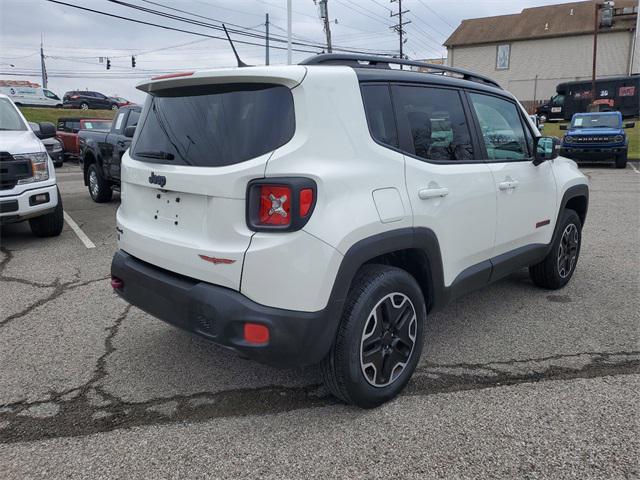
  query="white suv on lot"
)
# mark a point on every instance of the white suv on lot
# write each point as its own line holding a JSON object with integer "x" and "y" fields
{"x": 28, "y": 188}
{"x": 317, "y": 213}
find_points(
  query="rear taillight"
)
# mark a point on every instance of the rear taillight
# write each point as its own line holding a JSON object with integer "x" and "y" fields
{"x": 282, "y": 204}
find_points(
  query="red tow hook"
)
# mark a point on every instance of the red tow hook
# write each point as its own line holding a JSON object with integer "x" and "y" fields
{"x": 116, "y": 283}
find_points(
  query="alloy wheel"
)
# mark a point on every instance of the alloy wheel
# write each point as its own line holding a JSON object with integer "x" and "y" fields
{"x": 388, "y": 339}
{"x": 568, "y": 250}
{"x": 94, "y": 188}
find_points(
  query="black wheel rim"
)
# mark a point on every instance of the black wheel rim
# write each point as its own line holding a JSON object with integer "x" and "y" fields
{"x": 568, "y": 250}
{"x": 388, "y": 339}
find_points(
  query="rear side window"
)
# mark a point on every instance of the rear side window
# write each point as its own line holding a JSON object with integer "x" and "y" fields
{"x": 502, "y": 129}
{"x": 436, "y": 121}
{"x": 132, "y": 119}
{"x": 214, "y": 125}
{"x": 379, "y": 112}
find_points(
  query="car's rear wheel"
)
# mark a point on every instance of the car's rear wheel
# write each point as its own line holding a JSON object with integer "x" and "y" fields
{"x": 114, "y": 107}
{"x": 621, "y": 160}
{"x": 99, "y": 188}
{"x": 379, "y": 340}
{"x": 49, "y": 225}
{"x": 557, "y": 268}
{"x": 84, "y": 106}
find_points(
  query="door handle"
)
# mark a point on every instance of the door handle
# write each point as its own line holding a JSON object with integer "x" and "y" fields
{"x": 508, "y": 185}
{"x": 427, "y": 193}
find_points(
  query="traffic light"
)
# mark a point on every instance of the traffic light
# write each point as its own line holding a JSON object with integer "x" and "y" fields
{"x": 133, "y": 61}
{"x": 108, "y": 64}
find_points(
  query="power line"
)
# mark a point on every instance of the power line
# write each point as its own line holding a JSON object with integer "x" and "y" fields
{"x": 175, "y": 29}
{"x": 435, "y": 13}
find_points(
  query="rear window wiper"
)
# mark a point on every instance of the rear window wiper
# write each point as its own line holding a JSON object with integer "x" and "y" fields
{"x": 156, "y": 154}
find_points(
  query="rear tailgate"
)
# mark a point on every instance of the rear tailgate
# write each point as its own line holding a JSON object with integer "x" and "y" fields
{"x": 185, "y": 177}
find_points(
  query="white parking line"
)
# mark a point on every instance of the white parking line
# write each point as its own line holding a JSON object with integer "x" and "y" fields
{"x": 634, "y": 167}
{"x": 81, "y": 235}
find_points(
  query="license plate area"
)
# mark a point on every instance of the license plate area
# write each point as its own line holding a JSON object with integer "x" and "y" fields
{"x": 168, "y": 207}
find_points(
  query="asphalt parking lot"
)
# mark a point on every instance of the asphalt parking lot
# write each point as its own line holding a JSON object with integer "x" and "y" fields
{"x": 514, "y": 382}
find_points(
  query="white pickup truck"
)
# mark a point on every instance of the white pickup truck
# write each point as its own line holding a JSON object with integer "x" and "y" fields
{"x": 28, "y": 189}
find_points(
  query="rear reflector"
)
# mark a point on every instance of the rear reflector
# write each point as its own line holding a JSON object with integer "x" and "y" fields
{"x": 306, "y": 201}
{"x": 173, "y": 75}
{"x": 275, "y": 205}
{"x": 116, "y": 283}
{"x": 256, "y": 333}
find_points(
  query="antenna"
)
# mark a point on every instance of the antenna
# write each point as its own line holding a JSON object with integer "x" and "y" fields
{"x": 240, "y": 62}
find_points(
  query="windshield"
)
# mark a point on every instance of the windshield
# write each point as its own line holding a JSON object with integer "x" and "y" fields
{"x": 96, "y": 125}
{"x": 595, "y": 121}
{"x": 214, "y": 125}
{"x": 9, "y": 117}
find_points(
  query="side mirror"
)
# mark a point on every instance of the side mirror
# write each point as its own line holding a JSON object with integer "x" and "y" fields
{"x": 130, "y": 131}
{"x": 629, "y": 124}
{"x": 546, "y": 149}
{"x": 563, "y": 127}
{"x": 45, "y": 130}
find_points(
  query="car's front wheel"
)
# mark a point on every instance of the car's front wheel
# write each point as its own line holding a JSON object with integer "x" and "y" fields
{"x": 621, "y": 160}
{"x": 49, "y": 225}
{"x": 558, "y": 266}
{"x": 114, "y": 107}
{"x": 379, "y": 340}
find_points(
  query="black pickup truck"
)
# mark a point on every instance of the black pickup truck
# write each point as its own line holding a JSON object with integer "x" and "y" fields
{"x": 101, "y": 152}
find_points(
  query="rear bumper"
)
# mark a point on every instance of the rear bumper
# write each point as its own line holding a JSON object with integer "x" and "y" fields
{"x": 592, "y": 154}
{"x": 218, "y": 314}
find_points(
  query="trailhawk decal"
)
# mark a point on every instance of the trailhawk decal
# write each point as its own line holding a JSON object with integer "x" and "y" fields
{"x": 217, "y": 261}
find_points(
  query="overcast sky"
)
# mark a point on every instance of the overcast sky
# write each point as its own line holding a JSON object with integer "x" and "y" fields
{"x": 74, "y": 40}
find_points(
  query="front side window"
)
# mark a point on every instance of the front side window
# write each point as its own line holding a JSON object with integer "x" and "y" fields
{"x": 502, "y": 129}
{"x": 436, "y": 121}
{"x": 9, "y": 117}
{"x": 379, "y": 112}
{"x": 214, "y": 125}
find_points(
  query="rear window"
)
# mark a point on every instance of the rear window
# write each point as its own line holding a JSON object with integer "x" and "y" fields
{"x": 214, "y": 125}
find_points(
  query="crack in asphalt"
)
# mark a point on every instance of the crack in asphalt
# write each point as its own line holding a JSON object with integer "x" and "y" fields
{"x": 90, "y": 409}
{"x": 59, "y": 287}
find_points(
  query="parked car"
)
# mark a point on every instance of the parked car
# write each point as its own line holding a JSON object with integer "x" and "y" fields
{"x": 101, "y": 152}
{"x": 121, "y": 102}
{"x": 68, "y": 128}
{"x": 85, "y": 99}
{"x": 299, "y": 215}
{"x": 595, "y": 137}
{"x": 31, "y": 96}
{"x": 52, "y": 144}
{"x": 28, "y": 189}
{"x": 620, "y": 94}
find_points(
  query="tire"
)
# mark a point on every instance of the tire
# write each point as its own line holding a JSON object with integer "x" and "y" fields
{"x": 58, "y": 164}
{"x": 557, "y": 268}
{"x": 392, "y": 294}
{"x": 99, "y": 189}
{"x": 114, "y": 107}
{"x": 49, "y": 225}
{"x": 84, "y": 106}
{"x": 621, "y": 160}
{"x": 542, "y": 118}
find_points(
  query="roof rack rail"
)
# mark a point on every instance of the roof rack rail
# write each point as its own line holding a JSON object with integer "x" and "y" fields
{"x": 375, "y": 61}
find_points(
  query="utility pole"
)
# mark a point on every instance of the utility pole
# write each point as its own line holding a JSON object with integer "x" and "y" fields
{"x": 324, "y": 14}
{"x": 634, "y": 45}
{"x": 398, "y": 28}
{"x": 43, "y": 67}
{"x": 266, "y": 44}
{"x": 596, "y": 18}
{"x": 289, "y": 32}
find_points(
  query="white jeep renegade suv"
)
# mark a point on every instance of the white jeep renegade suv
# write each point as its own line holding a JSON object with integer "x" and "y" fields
{"x": 318, "y": 212}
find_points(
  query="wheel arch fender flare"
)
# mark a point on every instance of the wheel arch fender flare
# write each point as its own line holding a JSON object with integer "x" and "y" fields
{"x": 367, "y": 249}
{"x": 576, "y": 196}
